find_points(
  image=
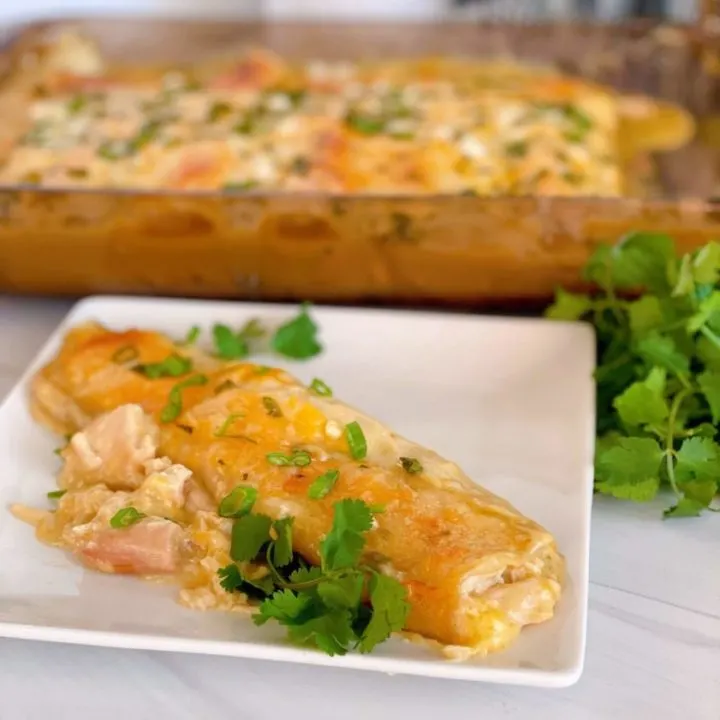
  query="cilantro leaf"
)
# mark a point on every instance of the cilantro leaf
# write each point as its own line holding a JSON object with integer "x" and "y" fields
{"x": 343, "y": 593}
{"x": 228, "y": 344}
{"x": 285, "y": 606}
{"x": 568, "y": 306}
{"x": 344, "y": 544}
{"x": 708, "y": 313}
{"x": 249, "y": 533}
{"x": 643, "y": 260}
{"x": 630, "y": 469}
{"x": 297, "y": 338}
{"x": 645, "y": 314}
{"x": 390, "y": 609}
{"x": 282, "y": 550}
{"x": 230, "y": 578}
{"x": 662, "y": 351}
{"x": 698, "y": 459}
{"x": 686, "y": 507}
{"x": 709, "y": 383}
{"x": 331, "y": 632}
{"x": 641, "y": 404}
{"x": 706, "y": 264}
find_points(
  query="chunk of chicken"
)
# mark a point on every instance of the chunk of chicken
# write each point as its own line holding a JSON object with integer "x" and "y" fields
{"x": 151, "y": 546}
{"x": 111, "y": 450}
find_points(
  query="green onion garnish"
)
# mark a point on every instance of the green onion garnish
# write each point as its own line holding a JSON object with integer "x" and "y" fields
{"x": 238, "y": 502}
{"x": 356, "y": 440}
{"x": 126, "y": 517}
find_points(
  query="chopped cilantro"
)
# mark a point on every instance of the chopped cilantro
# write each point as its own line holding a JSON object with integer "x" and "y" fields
{"x": 228, "y": 344}
{"x": 192, "y": 336}
{"x": 297, "y": 338}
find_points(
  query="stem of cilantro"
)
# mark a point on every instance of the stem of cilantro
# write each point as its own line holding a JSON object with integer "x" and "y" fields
{"x": 285, "y": 583}
{"x": 710, "y": 335}
{"x": 670, "y": 437}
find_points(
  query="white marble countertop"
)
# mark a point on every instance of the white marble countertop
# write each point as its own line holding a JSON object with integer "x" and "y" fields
{"x": 653, "y": 643}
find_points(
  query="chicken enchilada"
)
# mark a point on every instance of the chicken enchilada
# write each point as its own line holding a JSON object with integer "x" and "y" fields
{"x": 246, "y": 486}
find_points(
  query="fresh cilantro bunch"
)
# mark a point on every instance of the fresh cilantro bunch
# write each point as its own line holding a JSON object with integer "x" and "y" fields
{"x": 339, "y": 606}
{"x": 658, "y": 374}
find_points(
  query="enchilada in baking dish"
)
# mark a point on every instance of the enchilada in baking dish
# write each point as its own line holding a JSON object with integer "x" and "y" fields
{"x": 170, "y": 448}
{"x": 259, "y": 122}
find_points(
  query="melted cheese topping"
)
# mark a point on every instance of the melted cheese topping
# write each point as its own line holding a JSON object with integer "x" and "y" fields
{"x": 263, "y": 123}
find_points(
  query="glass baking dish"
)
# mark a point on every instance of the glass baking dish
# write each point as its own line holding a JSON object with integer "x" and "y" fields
{"x": 438, "y": 249}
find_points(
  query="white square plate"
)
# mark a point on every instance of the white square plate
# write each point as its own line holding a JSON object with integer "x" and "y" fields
{"x": 511, "y": 400}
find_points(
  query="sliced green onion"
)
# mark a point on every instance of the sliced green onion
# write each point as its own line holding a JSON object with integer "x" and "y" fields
{"x": 323, "y": 484}
{"x": 56, "y": 494}
{"x": 222, "y": 431}
{"x": 173, "y": 408}
{"x": 356, "y": 440}
{"x": 238, "y": 502}
{"x": 126, "y": 517}
{"x": 320, "y": 388}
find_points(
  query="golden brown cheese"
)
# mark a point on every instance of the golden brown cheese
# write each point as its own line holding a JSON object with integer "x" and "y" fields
{"x": 263, "y": 123}
{"x": 476, "y": 570}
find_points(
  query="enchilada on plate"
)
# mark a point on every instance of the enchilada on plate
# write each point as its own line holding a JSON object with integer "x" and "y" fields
{"x": 171, "y": 448}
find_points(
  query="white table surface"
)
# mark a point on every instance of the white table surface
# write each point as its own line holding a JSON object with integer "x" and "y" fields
{"x": 653, "y": 643}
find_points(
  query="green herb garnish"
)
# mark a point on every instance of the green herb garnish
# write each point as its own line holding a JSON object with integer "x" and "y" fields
{"x": 126, "y": 517}
{"x": 238, "y": 502}
{"x": 271, "y": 407}
{"x": 323, "y": 484}
{"x": 218, "y": 110}
{"x": 516, "y": 149}
{"x": 365, "y": 124}
{"x": 323, "y": 606}
{"x": 297, "y": 338}
{"x": 233, "y": 580}
{"x": 56, "y": 494}
{"x": 228, "y": 344}
{"x": 192, "y": 336}
{"x": 173, "y": 408}
{"x": 249, "y": 533}
{"x": 76, "y": 104}
{"x": 658, "y": 374}
{"x": 222, "y": 431}
{"x": 125, "y": 354}
{"x": 299, "y": 458}
{"x": 356, "y": 441}
{"x": 173, "y": 365}
{"x": 320, "y": 388}
{"x": 411, "y": 465}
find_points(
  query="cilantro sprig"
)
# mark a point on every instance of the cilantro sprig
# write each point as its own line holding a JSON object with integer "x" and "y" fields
{"x": 337, "y": 607}
{"x": 658, "y": 374}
